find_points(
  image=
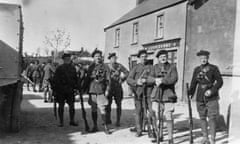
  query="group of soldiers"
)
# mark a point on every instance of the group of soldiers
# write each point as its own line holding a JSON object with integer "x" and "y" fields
{"x": 40, "y": 75}
{"x": 34, "y": 72}
{"x": 101, "y": 81}
{"x": 152, "y": 86}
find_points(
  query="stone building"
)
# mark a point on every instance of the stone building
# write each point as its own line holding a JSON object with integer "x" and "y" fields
{"x": 179, "y": 26}
{"x": 182, "y": 27}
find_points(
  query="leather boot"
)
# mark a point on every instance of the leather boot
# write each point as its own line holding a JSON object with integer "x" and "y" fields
{"x": 204, "y": 128}
{"x": 106, "y": 130}
{"x": 119, "y": 112}
{"x": 170, "y": 130}
{"x": 212, "y": 125}
{"x": 108, "y": 114}
{"x": 94, "y": 118}
{"x": 60, "y": 115}
{"x": 71, "y": 115}
{"x": 138, "y": 125}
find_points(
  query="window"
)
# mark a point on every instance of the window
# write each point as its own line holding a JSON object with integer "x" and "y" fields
{"x": 160, "y": 26}
{"x": 135, "y": 33}
{"x": 172, "y": 56}
{"x": 117, "y": 38}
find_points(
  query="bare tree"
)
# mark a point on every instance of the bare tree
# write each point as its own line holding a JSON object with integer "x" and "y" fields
{"x": 57, "y": 40}
{"x": 46, "y": 50}
{"x": 38, "y": 52}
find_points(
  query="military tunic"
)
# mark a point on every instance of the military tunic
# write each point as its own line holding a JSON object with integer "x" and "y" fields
{"x": 98, "y": 81}
{"x": 168, "y": 73}
{"x": 64, "y": 83}
{"x": 98, "y": 78}
{"x": 116, "y": 90}
{"x": 207, "y": 77}
{"x": 139, "y": 71}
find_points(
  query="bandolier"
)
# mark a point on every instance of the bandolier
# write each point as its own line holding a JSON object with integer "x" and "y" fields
{"x": 209, "y": 80}
{"x": 98, "y": 81}
{"x": 118, "y": 75}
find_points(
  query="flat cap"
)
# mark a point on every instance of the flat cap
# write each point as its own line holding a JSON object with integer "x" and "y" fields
{"x": 96, "y": 52}
{"x": 161, "y": 52}
{"x": 203, "y": 52}
{"x": 111, "y": 55}
{"x": 66, "y": 55}
{"x": 140, "y": 52}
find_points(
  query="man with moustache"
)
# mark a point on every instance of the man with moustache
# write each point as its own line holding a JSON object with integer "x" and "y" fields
{"x": 137, "y": 79}
{"x": 98, "y": 81}
{"x": 118, "y": 75}
{"x": 164, "y": 75}
{"x": 209, "y": 80}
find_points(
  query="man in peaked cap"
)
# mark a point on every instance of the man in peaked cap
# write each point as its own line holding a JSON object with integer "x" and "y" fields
{"x": 64, "y": 84}
{"x": 209, "y": 80}
{"x": 164, "y": 75}
{"x": 137, "y": 81}
{"x": 66, "y": 55}
{"x": 96, "y": 52}
{"x": 203, "y": 53}
{"x": 118, "y": 75}
{"x": 98, "y": 80}
{"x": 140, "y": 52}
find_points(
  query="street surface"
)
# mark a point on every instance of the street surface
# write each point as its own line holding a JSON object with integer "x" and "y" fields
{"x": 40, "y": 127}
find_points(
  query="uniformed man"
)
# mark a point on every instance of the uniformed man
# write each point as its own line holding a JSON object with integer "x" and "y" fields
{"x": 29, "y": 72}
{"x": 163, "y": 97}
{"x": 98, "y": 78}
{"x": 209, "y": 81}
{"x": 36, "y": 75}
{"x": 118, "y": 75}
{"x": 41, "y": 70}
{"x": 137, "y": 80}
{"x": 47, "y": 77}
{"x": 64, "y": 84}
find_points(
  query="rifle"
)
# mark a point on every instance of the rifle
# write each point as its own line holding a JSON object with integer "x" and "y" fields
{"x": 190, "y": 115}
{"x": 147, "y": 117}
{"x": 156, "y": 95}
{"x": 27, "y": 79}
{"x": 160, "y": 118}
{"x": 83, "y": 112}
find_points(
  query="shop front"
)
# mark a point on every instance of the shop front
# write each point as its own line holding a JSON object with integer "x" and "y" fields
{"x": 175, "y": 50}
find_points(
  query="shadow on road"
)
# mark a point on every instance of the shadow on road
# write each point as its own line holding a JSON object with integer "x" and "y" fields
{"x": 32, "y": 97}
{"x": 39, "y": 126}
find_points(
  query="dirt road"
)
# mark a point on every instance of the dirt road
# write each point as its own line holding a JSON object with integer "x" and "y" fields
{"x": 40, "y": 127}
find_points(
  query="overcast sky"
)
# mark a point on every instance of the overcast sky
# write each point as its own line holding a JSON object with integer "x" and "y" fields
{"x": 83, "y": 19}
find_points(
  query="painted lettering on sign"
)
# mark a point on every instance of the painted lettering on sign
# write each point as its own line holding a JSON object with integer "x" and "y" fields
{"x": 174, "y": 43}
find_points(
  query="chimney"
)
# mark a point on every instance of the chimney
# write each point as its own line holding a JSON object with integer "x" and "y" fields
{"x": 139, "y": 2}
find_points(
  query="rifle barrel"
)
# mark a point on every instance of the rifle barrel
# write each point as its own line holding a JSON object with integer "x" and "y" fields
{"x": 190, "y": 115}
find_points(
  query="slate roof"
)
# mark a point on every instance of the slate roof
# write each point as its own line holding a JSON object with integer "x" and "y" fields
{"x": 145, "y": 8}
